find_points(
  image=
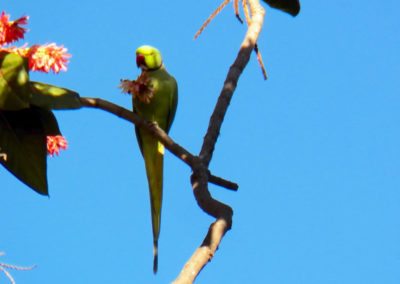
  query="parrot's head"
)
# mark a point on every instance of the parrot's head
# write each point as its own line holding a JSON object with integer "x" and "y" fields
{"x": 148, "y": 58}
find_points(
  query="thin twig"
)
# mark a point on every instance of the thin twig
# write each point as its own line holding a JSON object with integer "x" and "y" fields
{"x": 236, "y": 10}
{"x": 5, "y": 266}
{"x": 8, "y": 275}
{"x": 260, "y": 62}
{"x": 256, "y": 50}
{"x": 246, "y": 12}
{"x": 221, "y": 182}
{"x": 212, "y": 16}
{"x": 16, "y": 267}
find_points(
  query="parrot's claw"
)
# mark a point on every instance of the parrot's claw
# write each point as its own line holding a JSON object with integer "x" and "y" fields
{"x": 152, "y": 124}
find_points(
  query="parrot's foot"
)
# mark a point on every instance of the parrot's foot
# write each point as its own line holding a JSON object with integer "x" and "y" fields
{"x": 152, "y": 125}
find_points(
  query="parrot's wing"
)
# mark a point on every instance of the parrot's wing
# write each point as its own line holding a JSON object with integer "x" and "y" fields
{"x": 138, "y": 136}
{"x": 173, "y": 104}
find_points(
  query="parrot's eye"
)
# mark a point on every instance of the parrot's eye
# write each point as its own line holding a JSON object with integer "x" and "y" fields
{"x": 140, "y": 60}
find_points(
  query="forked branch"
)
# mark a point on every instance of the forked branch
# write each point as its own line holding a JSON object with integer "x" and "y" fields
{"x": 248, "y": 13}
{"x": 222, "y": 212}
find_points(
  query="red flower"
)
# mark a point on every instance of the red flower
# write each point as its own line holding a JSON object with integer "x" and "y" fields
{"x": 48, "y": 57}
{"x": 55, "y": 144}
{"x": 40, "y": 57}
{"x": 11, "y": 31}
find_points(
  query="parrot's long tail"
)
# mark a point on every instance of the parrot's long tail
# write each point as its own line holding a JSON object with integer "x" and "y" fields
{"x": 154, "y": 160}
{"x": 155, "y": 254}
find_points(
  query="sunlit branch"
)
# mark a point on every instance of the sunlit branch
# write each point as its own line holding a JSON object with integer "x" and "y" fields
{"x": 231, "y": 80}
{"x": 222, "y": 212}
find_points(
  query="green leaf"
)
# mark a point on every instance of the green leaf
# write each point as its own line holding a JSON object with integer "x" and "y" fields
{"x": 23, "y": 145}
{"x": 49, "y": 122}
{"x": 53, "y": 97}
{"x": 289, "y": 6}
{"x": 14, "y": 79}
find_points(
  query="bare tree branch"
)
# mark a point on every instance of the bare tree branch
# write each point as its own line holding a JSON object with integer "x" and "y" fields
{"x": 222, "y": 182}
{"x": 157, "y": 132}
{"x": 220, "y": 211}
{"x": 204, "y": 253}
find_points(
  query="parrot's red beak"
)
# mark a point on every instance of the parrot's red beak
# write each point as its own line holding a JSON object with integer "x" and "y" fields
{"x": 140, "y": 60}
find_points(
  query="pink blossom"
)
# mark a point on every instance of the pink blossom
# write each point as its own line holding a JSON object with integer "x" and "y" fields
{"x": 55, "y": 144}
{"x": 48, "y": 57}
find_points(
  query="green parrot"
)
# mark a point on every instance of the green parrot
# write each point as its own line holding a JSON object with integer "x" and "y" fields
{"x": 154, "y": 98}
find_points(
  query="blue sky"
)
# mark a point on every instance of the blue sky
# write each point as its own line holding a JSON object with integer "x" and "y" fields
{"x": 315, "y": 149}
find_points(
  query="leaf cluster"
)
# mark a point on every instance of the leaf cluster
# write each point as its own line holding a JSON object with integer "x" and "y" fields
{"x": 26, "y": 119}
